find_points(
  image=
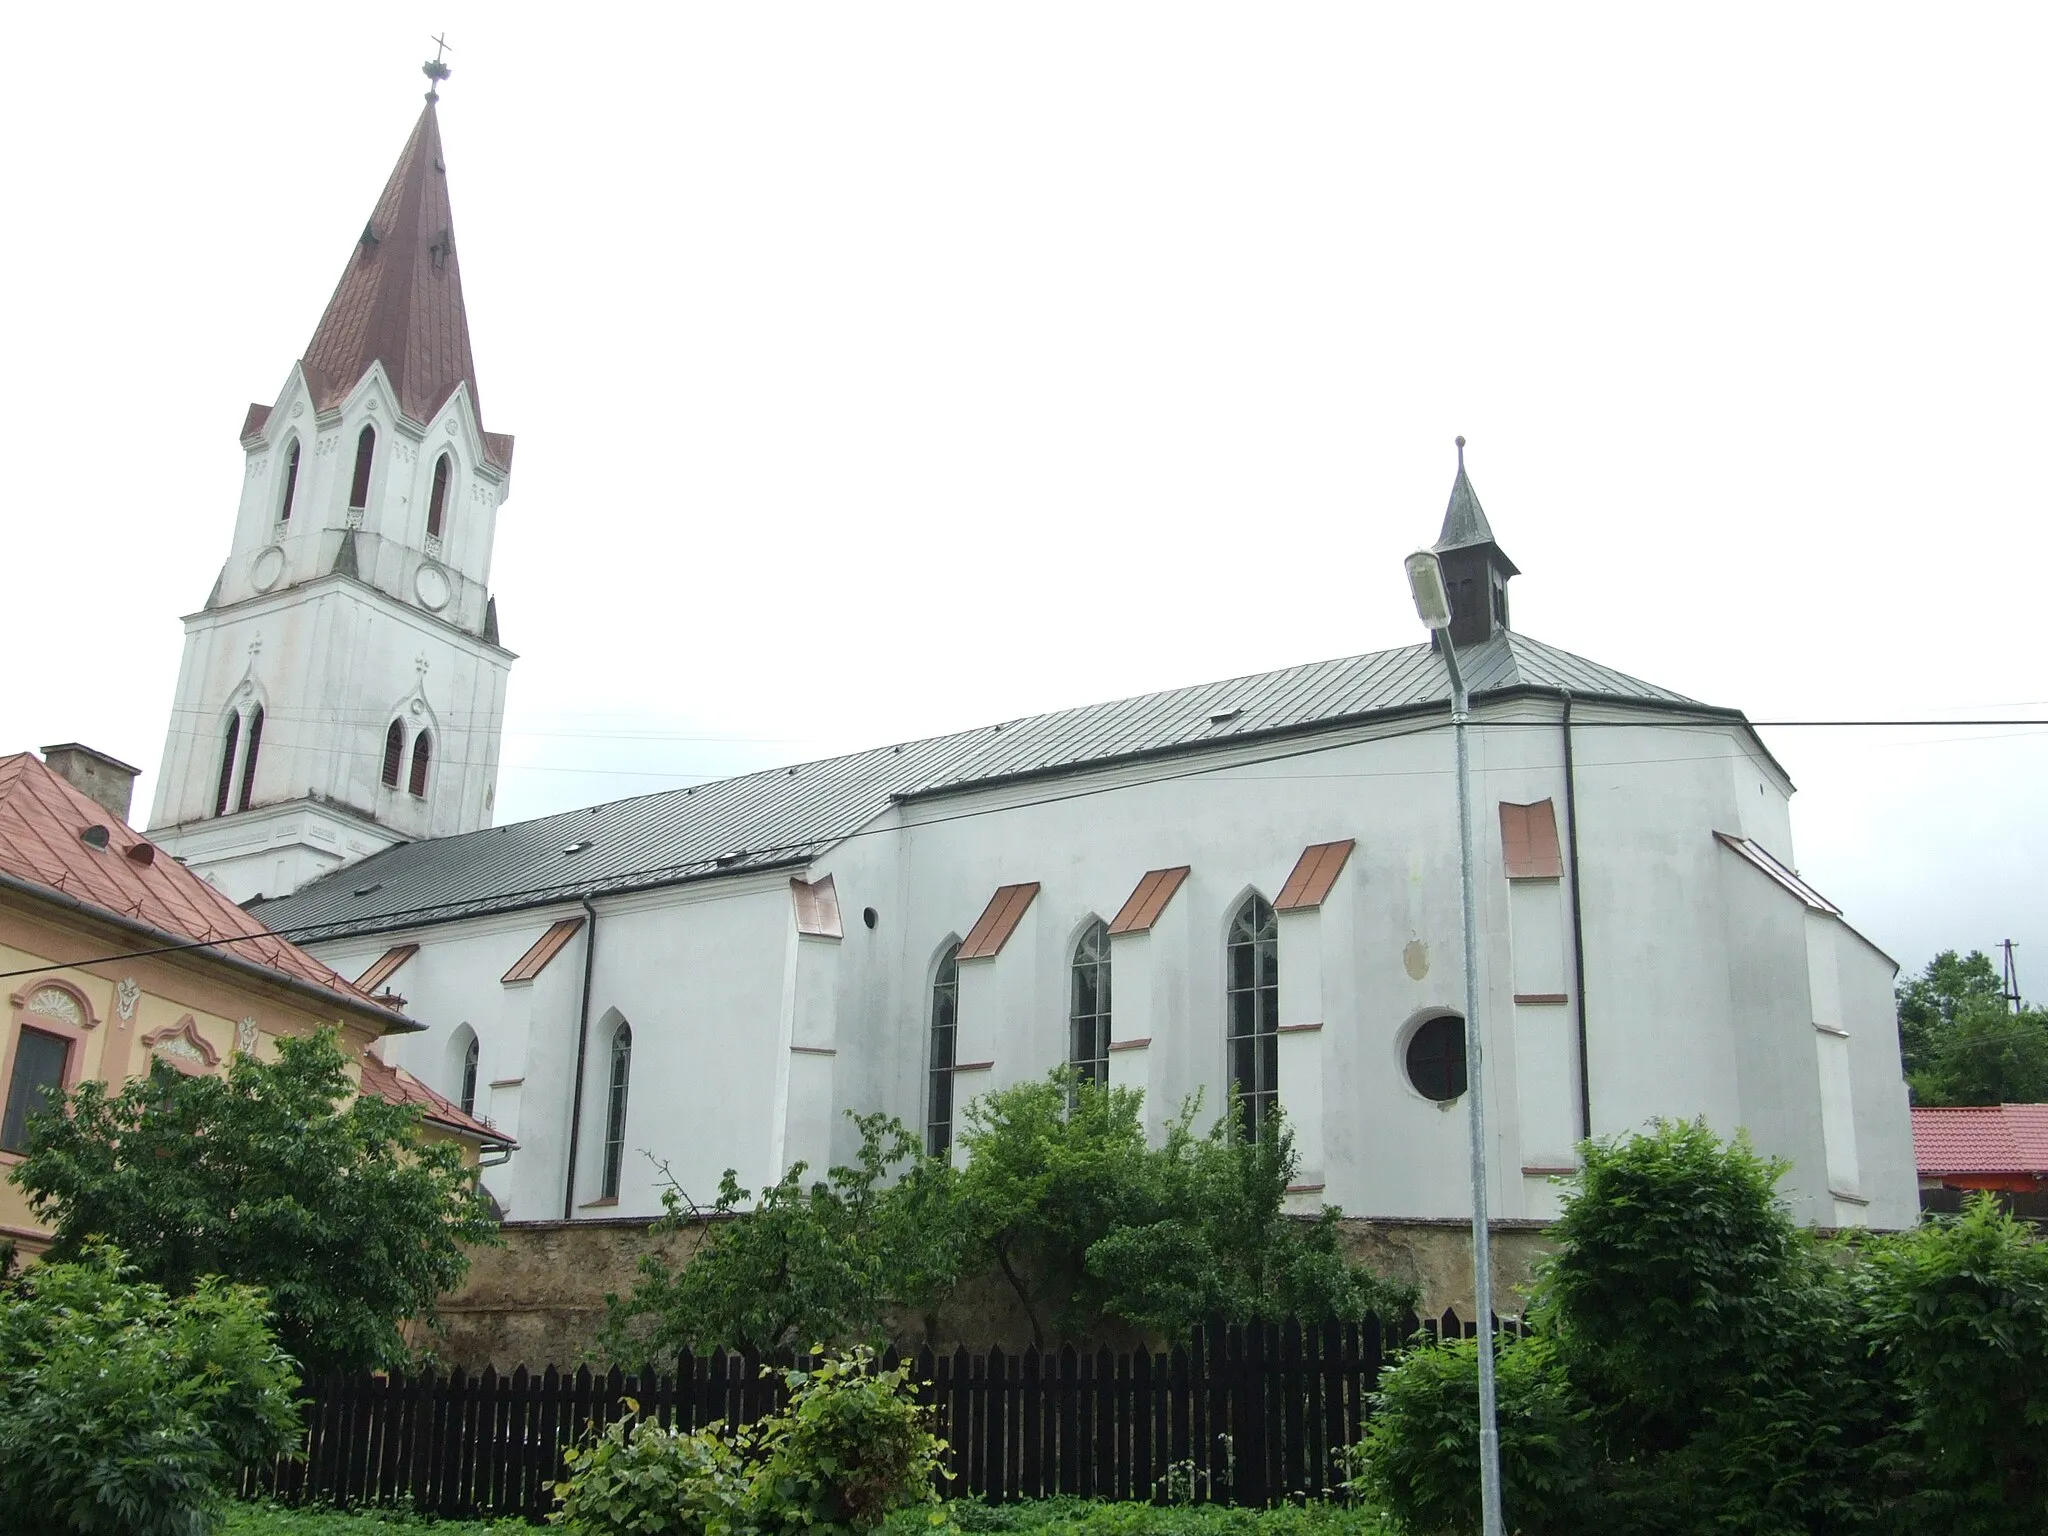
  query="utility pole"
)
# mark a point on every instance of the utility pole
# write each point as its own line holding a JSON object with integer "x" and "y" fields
{"x": 2012, "y": 979}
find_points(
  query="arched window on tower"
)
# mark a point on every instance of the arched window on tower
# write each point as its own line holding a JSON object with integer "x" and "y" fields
{"x": 1088, "y": 1009}
{"x": 938, "y": 1133}
{"x": 227, "y": 763}
{"x": 366, "y": 453}
{"x": 249, "y": 758}
{"x": 422, "y": 752}
{"x": 615, "y": 1109}
{"x": 291, "y": 482}
{"x": 469, "y": 1061}
{"x": 1253, "y": 991}
{"x": 437, "y": 505}
{"x": 394, "y": 753}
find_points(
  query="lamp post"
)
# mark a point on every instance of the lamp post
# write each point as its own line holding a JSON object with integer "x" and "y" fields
{"x": 1433, "y": 606}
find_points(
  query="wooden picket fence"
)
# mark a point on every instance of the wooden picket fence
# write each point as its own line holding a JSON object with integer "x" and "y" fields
{"x": 1240, "y": 1415}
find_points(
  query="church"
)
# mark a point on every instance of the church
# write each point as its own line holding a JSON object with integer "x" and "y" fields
{"x": 1249, "y": 885}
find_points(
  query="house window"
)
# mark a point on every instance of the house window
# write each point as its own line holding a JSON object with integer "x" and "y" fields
{"x": 438, "y": 503}
{"x": 1253, "y": 990}
{"x": 1436, "y": 1058}
{"x": 938, "y": 1136}
{"x": 469, "y": 1060}
{"x": 615, "y": 1109}
{"x": 291, "y": 482}
{"x": 227, "y": 764}
{"x": 422, "y": 752}
{"x": 366, "y": 453}
{"x": 394, "y": 753}
{"x": 249, "y": 758}
{"x": 39, "y": 1062}
{"x": 1088, "y": 1006}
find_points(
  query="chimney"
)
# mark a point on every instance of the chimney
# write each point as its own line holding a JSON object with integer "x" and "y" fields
{"x": 95, "y": 775}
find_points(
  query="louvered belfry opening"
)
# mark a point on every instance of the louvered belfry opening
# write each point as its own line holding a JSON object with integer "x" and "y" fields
{"x": 394, "y": 753}
{"x": 227, "y": 763}
{"x": 359, "y": 484}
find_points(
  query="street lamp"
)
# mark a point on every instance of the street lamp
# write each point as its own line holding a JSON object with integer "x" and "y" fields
{"x": 1433, "y": 606}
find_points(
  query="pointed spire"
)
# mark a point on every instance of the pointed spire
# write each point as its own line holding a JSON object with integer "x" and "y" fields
{"x": 1464, "y": 519}
{"x": 399, "y": 301}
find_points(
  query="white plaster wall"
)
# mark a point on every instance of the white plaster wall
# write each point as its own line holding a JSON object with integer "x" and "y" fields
{"x": 1698, "y": 995}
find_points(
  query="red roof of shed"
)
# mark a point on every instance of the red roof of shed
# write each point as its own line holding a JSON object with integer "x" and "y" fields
{"x": 1993, "y": 1138}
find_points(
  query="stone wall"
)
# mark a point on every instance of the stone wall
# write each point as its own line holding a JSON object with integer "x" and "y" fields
{"x": 539, "y": 1299}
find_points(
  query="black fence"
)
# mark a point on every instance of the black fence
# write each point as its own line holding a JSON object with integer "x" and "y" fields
{"x": 1241, "y": 1415}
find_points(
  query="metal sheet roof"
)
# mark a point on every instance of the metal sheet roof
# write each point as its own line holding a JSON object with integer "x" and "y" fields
{"x": 788, "y": 816}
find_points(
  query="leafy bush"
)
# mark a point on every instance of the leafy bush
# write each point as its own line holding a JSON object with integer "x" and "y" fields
{"x": 1958, "y": 1311}
{"x": 806, "y": 1263}
{"x": 642, "y": 1479}
{"x": 1061, "y": 1197}
{"x": 125, "y": 1411}
{"x": 275, "y": 1174}
{"x": 1694, "y": 1353}
{"x": 1420, "y": 1456}
{"x": 850, "y": 1447}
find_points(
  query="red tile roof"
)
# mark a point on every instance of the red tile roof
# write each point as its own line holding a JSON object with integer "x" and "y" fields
{"x": 401, "y": 1087}
{"x": 41, "y": 821}
{"x": 1996, "y": 1138}
{"x": 399, "y": 301}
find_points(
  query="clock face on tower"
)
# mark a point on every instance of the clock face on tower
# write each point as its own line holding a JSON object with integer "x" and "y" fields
{"x": 431, "y": 587}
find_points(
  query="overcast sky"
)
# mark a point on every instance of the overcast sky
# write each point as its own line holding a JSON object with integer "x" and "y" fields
{"x": 883, "y": 370}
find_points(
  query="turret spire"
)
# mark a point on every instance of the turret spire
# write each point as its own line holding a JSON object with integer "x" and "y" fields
{"x": 399, "y": 301}
{"x": 1476, "y": 569}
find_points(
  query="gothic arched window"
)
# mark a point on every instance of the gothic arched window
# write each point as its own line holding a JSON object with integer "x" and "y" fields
{"x": 437, "y": 505}
{"x": 1253, "y": 992}
{"x": 249, "y": 758}
{"x": 469, "y": 1061}
{"x": 227, "y": 764}
{"x": 366, "y": 453}
{"x": 422, "y": 753}
{"x": 1088, "y": 1007}
{"x": 615, "y": 1108}
{"x": 291, "y": 482}
{"x": 945, "y": 1017}
{"x": 394, "y": 752}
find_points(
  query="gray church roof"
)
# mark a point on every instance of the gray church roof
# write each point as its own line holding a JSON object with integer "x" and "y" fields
{"x": 788, "y": 816}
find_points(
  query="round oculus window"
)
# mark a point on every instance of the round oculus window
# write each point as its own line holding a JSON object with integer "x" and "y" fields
{"x": 1436, "y": 1058}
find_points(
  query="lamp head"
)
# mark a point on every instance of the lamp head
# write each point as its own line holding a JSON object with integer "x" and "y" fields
{"x": 1426, "y": 586}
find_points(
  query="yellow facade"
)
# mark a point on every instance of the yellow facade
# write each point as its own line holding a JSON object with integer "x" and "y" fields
{"x": 114, "y": 1016}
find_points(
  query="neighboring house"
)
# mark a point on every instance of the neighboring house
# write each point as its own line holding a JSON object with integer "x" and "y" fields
{"x": 115, "y": 955}
{"x": 1266, "y": 867}
{"x": 2000, "y": 1147}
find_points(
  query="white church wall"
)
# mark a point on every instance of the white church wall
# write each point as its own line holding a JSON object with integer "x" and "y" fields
{"x": 1698, "y": 981}
{"x": 1866, "y": 976}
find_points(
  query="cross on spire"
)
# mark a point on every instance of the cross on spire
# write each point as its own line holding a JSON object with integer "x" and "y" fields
{"x": 434, "y": 69}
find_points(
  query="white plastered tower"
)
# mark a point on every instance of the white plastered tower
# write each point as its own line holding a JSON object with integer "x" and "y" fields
{"x": 343, "y": 689}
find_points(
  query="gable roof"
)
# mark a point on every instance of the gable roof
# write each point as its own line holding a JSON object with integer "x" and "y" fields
{"x": 132, "y": 883}
{"x": 399, "y": 301}
{"x": 401, "y": 1087}
{"x": 789, "y": 816}
{"x": 1991, "y": 1139}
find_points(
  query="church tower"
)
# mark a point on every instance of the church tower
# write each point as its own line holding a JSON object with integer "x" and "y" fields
{"x": 343, "y": 689}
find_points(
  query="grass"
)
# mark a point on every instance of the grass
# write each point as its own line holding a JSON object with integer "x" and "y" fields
{"x": 965, "y": 1517}
{"x": 272, "y": 1520}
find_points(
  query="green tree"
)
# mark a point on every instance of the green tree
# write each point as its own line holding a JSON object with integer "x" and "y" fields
{"x": 1930, "y": 1002}
{"x": 807, "y": 1264}
{"x": 1958, "y": 1311}
{"x": 126, "y": 1412}
{"x": 274, "y": 1174}
{"x": 1696, "y": 1365}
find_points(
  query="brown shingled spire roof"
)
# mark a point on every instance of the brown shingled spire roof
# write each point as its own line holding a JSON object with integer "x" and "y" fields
{"x": 399, "y": 301}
